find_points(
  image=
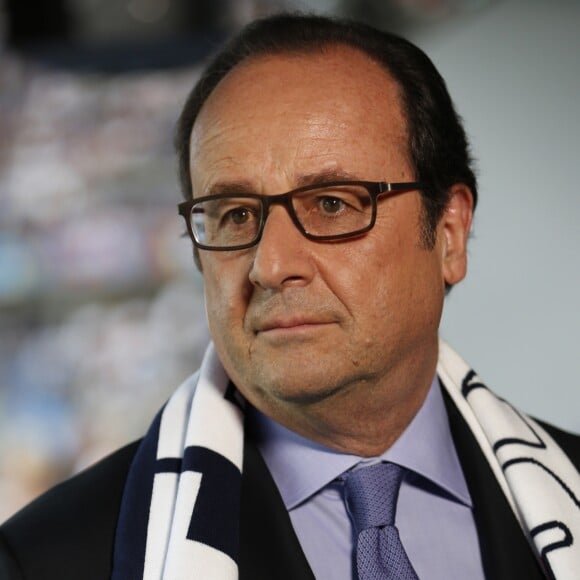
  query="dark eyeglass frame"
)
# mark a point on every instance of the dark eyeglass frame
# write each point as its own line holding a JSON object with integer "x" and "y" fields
{"x": 374, "y": 189}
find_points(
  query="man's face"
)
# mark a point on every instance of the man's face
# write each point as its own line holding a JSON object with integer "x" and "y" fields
{"x": 296, "y": 322}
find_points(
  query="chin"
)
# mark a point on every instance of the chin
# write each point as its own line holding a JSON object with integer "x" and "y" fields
{"x": 291, "y": 393}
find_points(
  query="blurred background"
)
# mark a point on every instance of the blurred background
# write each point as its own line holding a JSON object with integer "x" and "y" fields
{"x": 101, "y": 309}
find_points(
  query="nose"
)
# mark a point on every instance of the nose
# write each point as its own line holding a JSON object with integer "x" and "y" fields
{"x": 282, "y": 257}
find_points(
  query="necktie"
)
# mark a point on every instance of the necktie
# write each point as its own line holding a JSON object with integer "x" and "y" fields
{"x": 371, "y": 496}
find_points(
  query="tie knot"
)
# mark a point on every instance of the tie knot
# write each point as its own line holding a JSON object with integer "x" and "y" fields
{"x": 371, "y": 494}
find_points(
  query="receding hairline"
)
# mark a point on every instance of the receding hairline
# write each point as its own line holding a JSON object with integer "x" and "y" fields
{"x": 308, "y": 52}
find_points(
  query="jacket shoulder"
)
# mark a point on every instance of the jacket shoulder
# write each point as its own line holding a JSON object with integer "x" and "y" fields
{"x": 569, "y": 442}
{"x": 69, "y": 531}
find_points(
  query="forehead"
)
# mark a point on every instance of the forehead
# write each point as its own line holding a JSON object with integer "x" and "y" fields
{"x": 287, "y": 111}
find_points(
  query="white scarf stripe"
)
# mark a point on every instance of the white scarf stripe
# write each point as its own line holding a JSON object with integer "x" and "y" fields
{"x": 226, "y": 435}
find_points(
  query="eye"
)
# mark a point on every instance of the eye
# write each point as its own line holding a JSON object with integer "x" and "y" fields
{"x": 331, "y": 205}
{"x": 238, "y": 216}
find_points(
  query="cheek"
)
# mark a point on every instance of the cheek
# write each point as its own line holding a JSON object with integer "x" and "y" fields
{"x": 392, "y": 285}
{"x": 372, "y": 269}
{"x": 226, "y": 294}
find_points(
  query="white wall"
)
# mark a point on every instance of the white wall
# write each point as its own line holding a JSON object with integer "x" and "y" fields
{"x": 514, "y": 73}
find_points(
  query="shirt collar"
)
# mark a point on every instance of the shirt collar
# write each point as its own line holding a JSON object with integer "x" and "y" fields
{"x": 301, "y": 467}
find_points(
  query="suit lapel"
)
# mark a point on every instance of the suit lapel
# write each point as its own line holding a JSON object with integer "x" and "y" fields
{"x": 269, "y": 547}
{"x": 505, "y": 551}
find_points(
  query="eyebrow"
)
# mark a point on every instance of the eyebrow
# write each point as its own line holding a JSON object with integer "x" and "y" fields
{"x": 241, "y": 187}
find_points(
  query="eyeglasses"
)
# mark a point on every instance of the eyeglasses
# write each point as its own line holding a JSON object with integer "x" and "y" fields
{"x": 323, "y": 212}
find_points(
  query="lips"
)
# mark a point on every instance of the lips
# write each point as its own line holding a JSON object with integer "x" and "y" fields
{"x": 289, "y": 323}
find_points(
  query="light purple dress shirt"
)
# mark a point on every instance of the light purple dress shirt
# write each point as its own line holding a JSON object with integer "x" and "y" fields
{"x": 434, "y": 510}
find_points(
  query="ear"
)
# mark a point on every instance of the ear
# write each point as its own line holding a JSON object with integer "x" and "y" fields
{"x": 454, "y": 228}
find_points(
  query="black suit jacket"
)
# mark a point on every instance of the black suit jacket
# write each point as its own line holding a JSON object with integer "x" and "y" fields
{"x": 68, "y": 533}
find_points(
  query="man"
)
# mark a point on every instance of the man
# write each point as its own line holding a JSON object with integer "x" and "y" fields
{"x": 329, "y": 195}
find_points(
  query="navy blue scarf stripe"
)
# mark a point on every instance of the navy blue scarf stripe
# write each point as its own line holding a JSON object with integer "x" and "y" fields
{"x": 131, "y": 535}
{"x": 168, "y": 465}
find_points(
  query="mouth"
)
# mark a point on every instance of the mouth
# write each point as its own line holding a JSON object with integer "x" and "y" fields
{"x": 292, "y": 326}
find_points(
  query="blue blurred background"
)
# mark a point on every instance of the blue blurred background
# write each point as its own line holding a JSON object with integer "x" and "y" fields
{"x": 101, "y": 309}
